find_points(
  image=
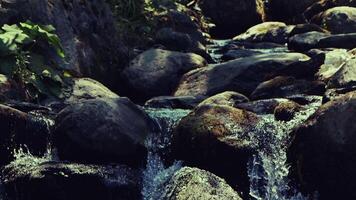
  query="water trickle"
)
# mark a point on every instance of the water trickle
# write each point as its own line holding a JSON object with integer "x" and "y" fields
{"x": 156, "y": 173}
{"x": 268, "y": 169}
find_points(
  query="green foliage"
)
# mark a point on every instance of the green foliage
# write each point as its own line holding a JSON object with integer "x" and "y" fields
{"x": 20, "y": 61}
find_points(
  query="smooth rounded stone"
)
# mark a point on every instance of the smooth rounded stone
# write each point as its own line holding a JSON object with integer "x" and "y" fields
{"x": 305, "y": 41}
{"x": 334, "y": 60}
{"x": 341, "y": 41}
{"x": 240, "y": 75}
{"x": 261, "y": 107}
{"x": 228, "y": 98}
{"x": 19, "y": 129}
{"x": 157, "y": 72}
{"x": 323, "y": 151}
{"x": 102, "y": 131}
{"x": 217, "y": 138}
{"x": 285, "y": 86}
{"x": 87, "y": 88}
{"x": 276, "y": 32}
{"x": 345, "y": 76}
{"x": 37, "y": 178}
{"x": 322, "y": 5}
{"x": 197, "y": 184}
{"x": 182, "y": 102}
{"x": 175, "y": 41}
{"x": 287, "y": 11}
{"x": 339, "y": 20}
{"x": 305, "y": 28}
{"x": 87, "y": 32}
{"x": 286, "y": 111}
{"x": 232, "y": 16}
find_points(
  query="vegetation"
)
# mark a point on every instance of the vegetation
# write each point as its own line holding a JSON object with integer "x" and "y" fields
{"x": 28, "y": 69}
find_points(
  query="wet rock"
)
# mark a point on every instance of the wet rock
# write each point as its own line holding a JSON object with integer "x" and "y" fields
{"x": 283, "y": 86}
{"x": 86, "y": 88}
{"x": 305, "y": 41}
{"x": 239, "y": 53}
{"x": 341, "y": 41}
{"x": 276, "y": 32}
{"x": 157, "y": 72}
{"x": 183, "y": 102}
{"x": 305, "y": 28}
{"x": 86, "y": 30}
{"x": 216, "y": 138}
{"x": 261, "y": 107}
{"x": 323, "y": 5}
{"x": 19, "y": 129}
{"x": 286, "y": 111}
{"x": 241, "y": 75}
{"x": 34, "y": 178}
{"x": 323, "y": 151}
{"x": 194, "y": 183}
{"x": 287, "y": 11}
{"x": 338, "y": 20}
{"x": 228, "y": 98}
{"x": 232, "y": 16}
{"x": 345, "y": 76}
{"x": 102, "y": 131}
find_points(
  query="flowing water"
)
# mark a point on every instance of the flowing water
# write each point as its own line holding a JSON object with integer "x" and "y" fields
{"x": 156, "y": 173}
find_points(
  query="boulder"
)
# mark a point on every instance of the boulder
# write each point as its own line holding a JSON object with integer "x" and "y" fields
{"x": 231, "y": 16}
{"x": 323, "y": 151}
{"x": 338, "y": 20}
{"x": 240, "y": 75}
{"x": 285, "y": 86}
{"x": 103, "y": 131}
{"x": 87, "y": 33}
{"x": 286, "y": 111}
{"x": 276, "y": 32}
{"x": 19, "y": 129}
{"x": 36, "y": 178}
{"x": 217, "y": 138}
{"x": 322, "y": 5}
{"x": 228, "y": 98}
{"x": 87, "y": 88}
{"x": 345, "y": 76}
{"x": 305, "y": 28}
{"x": 157, "y": 72}
{"x": 261, "y": 107}
{"x": 239, "y": 53}
{"x": 194, "y": 183}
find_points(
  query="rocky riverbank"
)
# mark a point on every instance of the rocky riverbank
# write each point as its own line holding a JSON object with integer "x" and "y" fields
{"x": 260, "y": 107}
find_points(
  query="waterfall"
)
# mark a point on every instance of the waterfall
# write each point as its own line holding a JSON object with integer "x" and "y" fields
{"x": 156, "y": 173}
{"x": 268, "y": 169}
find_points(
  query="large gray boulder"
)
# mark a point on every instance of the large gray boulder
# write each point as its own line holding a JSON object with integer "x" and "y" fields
{"x": 86, "y": 29}
{"x": 103, "y": 130}
{"x": 157, "y": 72}
{"x": 339, "y": 20}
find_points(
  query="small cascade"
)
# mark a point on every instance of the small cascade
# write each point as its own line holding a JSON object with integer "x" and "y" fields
{"x": 214, "y": 49}
{"x": 268, "y": 169}
{"x": 156, "y": 173}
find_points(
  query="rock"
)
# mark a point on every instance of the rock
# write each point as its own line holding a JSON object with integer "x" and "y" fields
{"x": 261, "y": 107}
{"x": 101, "y": 131}
{"x": 322, "y": 5}
{"x": 286, "y": 111}
{"x": 339, "y": 20}
{"x": 86, "y": 88}
{"x": 157, "y": 72}
{"x": 86, "y": 30}
{"x": 241, "y": 75}
{"x": 345, "y": 76}
{"x": 19, "y": 129}
{"x": 287, "y": 11}
{"x": 228, "y": 98}
{"x": 34, "y": 178}
{"x": 216, "y": 138}
{"x": 182, "y": 102}
{"x": 282, "y": 86}
{"x": 323, "y": 151}
{"x": 231, "y": 16}
{"x": 305, "y": 28}
{"x": 239, "y": 53}
{"x": 194, "y": 183}
{"x": 276, "y": 32}
{"x": 175, "y": 41}
{"x": 305, "y": 41}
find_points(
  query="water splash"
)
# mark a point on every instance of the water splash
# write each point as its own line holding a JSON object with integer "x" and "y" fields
{"x": 268, "y": 169}
{"x": 156, "y": 173}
